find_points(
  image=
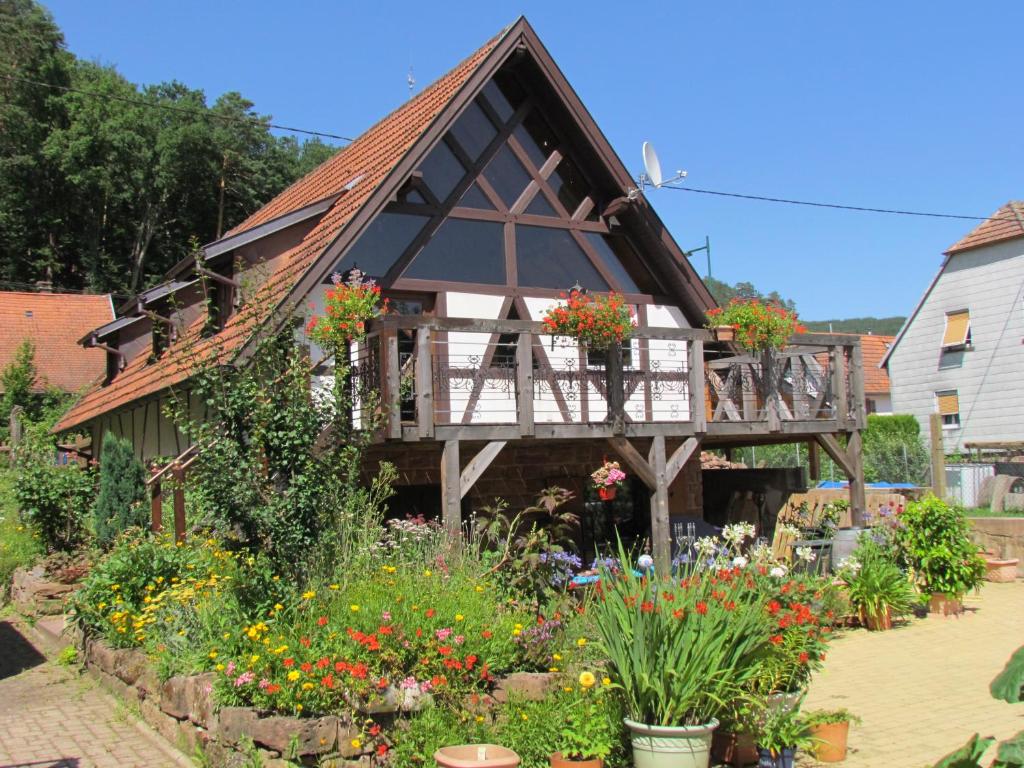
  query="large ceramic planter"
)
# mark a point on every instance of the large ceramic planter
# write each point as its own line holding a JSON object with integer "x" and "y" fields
{"x": 830, "y": 741}
{"x": 876, "y": 621}
{"x": 1001, "y": 571}
{"x": 557, "y": 761}
{"x": 476, "y": 756}
{"x": 664, "y": 746}
{"x": 735, "y": 749}
{"x": 944, "y": 605}
{"x": 782, "y": 760}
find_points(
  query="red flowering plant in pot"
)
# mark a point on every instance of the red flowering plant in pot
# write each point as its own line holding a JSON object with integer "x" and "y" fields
{"x": 607, "y": 479}
{"x": 595, "y": 322}
{"x": 348, "y": 305}
{"x": 756, "y": 325}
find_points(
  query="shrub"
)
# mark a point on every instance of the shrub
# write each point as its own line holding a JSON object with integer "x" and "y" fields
{"x": 875, "y": 584}
{"x": 119, "y": 504}
{"x": 19, "y": 543}
{"x": 893, "y": 450}
{"x": 934, "y": 541}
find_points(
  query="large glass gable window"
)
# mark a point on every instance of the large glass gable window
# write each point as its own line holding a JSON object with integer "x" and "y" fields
{"x": 462, "y": 251}
{"x": 474, "y": 131}
{"x": 507, "y": 175}
{"x": 382, "y": 244}
{"x": 442, "y": 171}
{"x": 551, "y": 258}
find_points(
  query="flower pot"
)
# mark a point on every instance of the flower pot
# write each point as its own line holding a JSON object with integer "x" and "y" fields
{"x": 782, "y": 760}
{"x": 876, "y": 621}
{"x": 945, "y": 605}
{"x": 1001, "y": 571}
{"x": 558, "y": 761}
{"x": 607, "y": 492}
{"x": 830, "y": 741}
{"x": 724, "y": 332}
{"x": 735, "y": 749}
{"x": 476, "y": 756}
{"x": 665, "y": 746}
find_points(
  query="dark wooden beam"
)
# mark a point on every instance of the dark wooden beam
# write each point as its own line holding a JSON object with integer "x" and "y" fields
{"x": 661, "y": 535}
{"x": 478, "y": 465}
{"x": 451, "y": 493}
{"x": 635, "y": 460}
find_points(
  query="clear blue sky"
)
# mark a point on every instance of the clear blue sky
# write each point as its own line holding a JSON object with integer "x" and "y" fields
{"x": 912, "y": 105}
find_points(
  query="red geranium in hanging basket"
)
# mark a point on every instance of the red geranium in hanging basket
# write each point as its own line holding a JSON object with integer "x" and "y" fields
{"x": 597, "y": 323}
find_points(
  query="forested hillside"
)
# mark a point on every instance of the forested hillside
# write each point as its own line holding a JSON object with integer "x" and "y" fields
{"x": 105, "y": 184}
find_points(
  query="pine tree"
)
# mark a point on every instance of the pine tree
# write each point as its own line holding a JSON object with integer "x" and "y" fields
{"x": 122, "y": 491}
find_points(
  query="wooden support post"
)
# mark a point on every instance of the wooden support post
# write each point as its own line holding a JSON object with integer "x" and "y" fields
{"x": 179, "y": 502}
{"x": 857, "y": 404}
{"x": 837, "y": 377}
{"x": 156, "y": 507}
{"x": 478, "y": 465}
{"x": 451, "y": 492}
{"x": 813, "y": 461}
{"x": 695, "y": 363}
{"x": 392, "y": 385}
{"x": 937, "y": 451}
{"x": 616, "y": 389}
{"x": 858, "y": 495}
{"x": 424, "y": 385}
{"x": 678, "y": 459}
{"x": 661, "y": 537}
{"x": 524, "y": 384}
{"x": 635, "y": 460}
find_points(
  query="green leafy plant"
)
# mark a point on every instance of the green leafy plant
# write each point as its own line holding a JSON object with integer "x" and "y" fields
{"x": 598, "y": 323}
{"x": 122, "y": 491}
{"x": 829, "y": 717}
{"x": 783, "y": 728}
{"x": 1009, "y": 684}
{"x": 679, "y": 649}
{"x": 348, "y": 307}
{"x": 759, "y": 325}
{"x": 589, "y": 720}
{"x": 876, "y": 586}
{"x": 934, "y": 540}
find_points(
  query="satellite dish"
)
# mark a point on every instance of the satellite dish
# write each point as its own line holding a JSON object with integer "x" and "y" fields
{"x": 652, "y": 166}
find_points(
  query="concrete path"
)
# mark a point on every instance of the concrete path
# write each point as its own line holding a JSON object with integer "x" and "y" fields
{"x": 922, "y": 688}
{"x": 50, "y": 717}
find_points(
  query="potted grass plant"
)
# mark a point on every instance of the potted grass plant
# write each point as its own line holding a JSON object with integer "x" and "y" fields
{"x": 782, "y": 733}
{"x": 679, "y": 649}
{"x": 876, "y": 587}
{"x": 829, "y": 731}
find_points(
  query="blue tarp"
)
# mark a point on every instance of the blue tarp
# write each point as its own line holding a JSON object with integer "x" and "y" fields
{"x": 844, "y": 484}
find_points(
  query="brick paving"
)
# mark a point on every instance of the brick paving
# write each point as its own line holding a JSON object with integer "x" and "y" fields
{"x": 922, "y": 688}
{"x": 50, "y": 717}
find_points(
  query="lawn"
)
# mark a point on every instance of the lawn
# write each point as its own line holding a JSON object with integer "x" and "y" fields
{"x": 987, "y": 512}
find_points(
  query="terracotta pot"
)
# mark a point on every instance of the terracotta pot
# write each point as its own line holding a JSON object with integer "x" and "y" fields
{"x": 724, "y": 332}
{"x": 558, "y": 761}
{"x": 876, "y": 622}
{"x": 607, "y": 492}
{"x": 1001, "y": 571}
{"x": 944, "y": 605}
{"x": 735, "y": 749}
{"x": 830, "y": 741}
{"x": 476, "y": 756}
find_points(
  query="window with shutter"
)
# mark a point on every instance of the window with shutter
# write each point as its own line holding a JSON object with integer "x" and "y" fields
{"x": 948, "y": 404}
{"x": 958, "y": 329}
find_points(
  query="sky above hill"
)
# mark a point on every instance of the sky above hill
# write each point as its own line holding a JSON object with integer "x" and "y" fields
{"x": 909, "y": 105}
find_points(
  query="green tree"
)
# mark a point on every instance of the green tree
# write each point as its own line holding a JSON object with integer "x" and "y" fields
{"x": 122, "y": 492}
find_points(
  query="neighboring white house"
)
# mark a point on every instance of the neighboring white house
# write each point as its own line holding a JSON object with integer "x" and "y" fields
{"x": 961, "y": 351}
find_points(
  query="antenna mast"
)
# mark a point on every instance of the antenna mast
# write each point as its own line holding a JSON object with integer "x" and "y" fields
{"x": 410, "y": 80}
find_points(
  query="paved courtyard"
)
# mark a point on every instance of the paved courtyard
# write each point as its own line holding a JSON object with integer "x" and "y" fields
{"x": 922, "y": 689}
{"x": 52, "y": 718}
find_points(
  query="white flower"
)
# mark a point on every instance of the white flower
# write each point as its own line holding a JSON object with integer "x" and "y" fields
{"x": 851, "y": 564}
{"x": 706, "y": 545}
{"x": 806, "y": 554}
{"x": 778, "y": 572}
{"x": 740, "y": 561}
{"x": 736, "y": 533}
{"x": 761, "y": 553}
{"x": 788, "y": 529}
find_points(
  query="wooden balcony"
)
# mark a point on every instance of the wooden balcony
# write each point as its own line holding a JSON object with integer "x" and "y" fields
{"x": 468, "y": 379}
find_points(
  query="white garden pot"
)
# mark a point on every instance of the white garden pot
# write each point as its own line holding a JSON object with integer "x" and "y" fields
{"x": 664, "y": 746}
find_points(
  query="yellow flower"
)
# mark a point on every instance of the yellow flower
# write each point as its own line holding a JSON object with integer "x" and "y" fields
{"x": 101, "y": 606}
{"x": 278, "y": 578}
{"x": 567, "y": 689}
{"x": 524, "y": 716}
{"x": 459, "y": 617}
{"x": 308, "y": 595}
{"x": 181, "y": 632}
{"x": 556, "y": 656}
{"x": 278, "y": 607}
{"x": 298, "y": 707}
{"x": 159, "y": 579}
{"x": 356, "y": 744}
{"x": 587, "y": 679}
{"x": 334, "y": 586}
{"x": 517, "y": 632}
{"x": 354, "y": 608}
{"x": 254, "y": 658}
{"x": 114, "y": 587}
{"x": 552, "y": 669}
{"x": 478, "y": 588}
{"x": 427, "y": 573}
{"x": 581, "y": 642}
{"x": 213, "y": 654}
{"x": 308, "y": 686}
{"x": 606, "y": 681}
{"x": 219, "y": 667}
{"x": 479, "y": 718}
{"x": 293, "y": 675}
{"x": 227, "y": 635}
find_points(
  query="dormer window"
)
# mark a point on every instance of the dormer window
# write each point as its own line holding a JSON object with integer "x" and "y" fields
{"x": 222, "y": 294}
{"x": 958, "y": 330}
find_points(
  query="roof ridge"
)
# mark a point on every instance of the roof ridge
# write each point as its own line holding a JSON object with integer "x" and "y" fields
{"x": 998, "y": 227}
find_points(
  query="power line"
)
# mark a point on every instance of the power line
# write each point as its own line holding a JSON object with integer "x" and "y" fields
{"x": 841, "y": 207}
{"x": 174, "y": 108}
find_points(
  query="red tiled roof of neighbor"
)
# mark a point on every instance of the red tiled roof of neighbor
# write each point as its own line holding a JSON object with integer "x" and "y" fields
{"x": 1005, "y": 224}
{"x": 371, "y": 157}
{"x": 54, "y": 322}
{"x": 873, "y": 348}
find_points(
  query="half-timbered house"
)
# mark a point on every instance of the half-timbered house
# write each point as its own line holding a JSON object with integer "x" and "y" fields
{"x": 475, "y": 205}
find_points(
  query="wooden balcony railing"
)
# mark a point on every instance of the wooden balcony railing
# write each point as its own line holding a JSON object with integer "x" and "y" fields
{"x": 444, "y": 378}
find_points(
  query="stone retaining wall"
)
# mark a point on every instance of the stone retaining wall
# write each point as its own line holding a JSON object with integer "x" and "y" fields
{"x": 182, "y": 710}
{"x": 33, "y": 594}
{"x": 1002, "y": 535}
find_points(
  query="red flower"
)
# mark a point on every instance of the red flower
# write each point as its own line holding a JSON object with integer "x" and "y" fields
{"x": 273, "y": 688}
{"x": 288, "y": 663}
{"x": 678, "y": 613}
{"x": 702, "y": 608}
{"x": 374, "y": 730}
{"x": 444, "y": 650}
{"x": 306, "y": 666}
{"x": 647, "y": 606}
{"x": 487, "y": 634}
{"x": 430, "y": 613}
{"x": 321, "y": 621}
{"x": 776, "y": 639}
{"x": 382, "y": 749}
{"x": 804, "y": 657}
{"x": 327, "y": 681}
{"x": 774, "y": 607}
{"x": 304, "y": 641}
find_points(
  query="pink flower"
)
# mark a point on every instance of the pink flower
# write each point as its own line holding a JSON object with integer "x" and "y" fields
{"x": 408, "y": 683}
{"x": 245, "y": 677}
{"x": 442, "y": 634}
{"x": 460, "y": 639}
{"x": 264, "y": 683}
{"x": 386, "y": 616}
{"x": 230, "y": 669}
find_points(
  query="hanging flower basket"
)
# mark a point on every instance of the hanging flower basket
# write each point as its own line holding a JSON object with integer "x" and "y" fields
{"x": 607, "y": 479}
{"x": 348, "y": 306}
{"x": 596, "y": 323}
{"x": 607, "y": 493}
{"x": 756, "y": 325}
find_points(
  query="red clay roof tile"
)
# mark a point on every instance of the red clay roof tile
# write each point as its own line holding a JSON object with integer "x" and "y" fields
{"x": 1005, "y": 224}
{"x": 55, "y": 322}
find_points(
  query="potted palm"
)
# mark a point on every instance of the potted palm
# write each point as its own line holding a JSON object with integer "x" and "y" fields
{"x": 934, "y": 540}
{"x": 876, "y": 587}
{"x": 829, "y": 731}
{"x": 587, "y": 735}
{"x": 782, "y": 733}
{"x": 679, "y": 650}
